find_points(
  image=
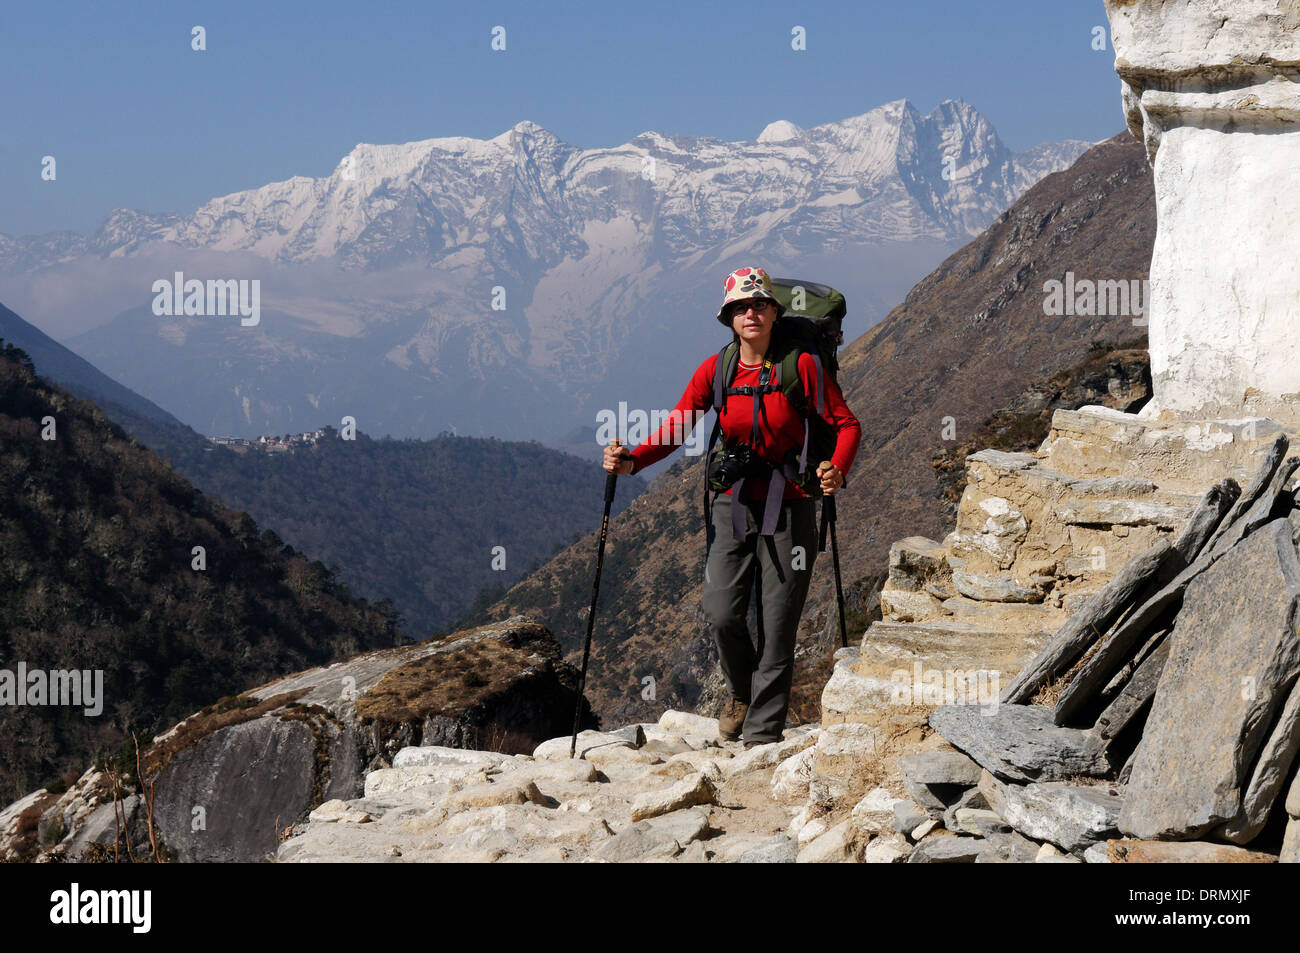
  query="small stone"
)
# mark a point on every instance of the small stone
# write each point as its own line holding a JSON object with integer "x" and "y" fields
{"x": 686, "y": 793}
{"x": 810, "y": 831}
{"x": 685, "y": 723}
{"x": 1096, "y": 854}
{"x": 874, "y": 814}
{"x": 979, "y": 823}
{"x": 943, "y": 848}
{"x": 889, "y": 849}
{"x": 923, "y": 828}
{"x": 790, "y": 779}
{"x": 779, "y": 850}
{"x": 493, "y": 794}
{"x": 836, "y": 846}
{"x": 908, "y": 817}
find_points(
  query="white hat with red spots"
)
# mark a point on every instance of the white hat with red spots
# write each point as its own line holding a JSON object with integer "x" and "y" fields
{"x": 743, "y": 284}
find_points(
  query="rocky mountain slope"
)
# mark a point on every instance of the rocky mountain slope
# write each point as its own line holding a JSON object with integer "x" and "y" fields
{"x": 965, "y": 342}
{"x": 112, "y": 563}
{"x": 79, "y": 376}
{"x": 515, "y": 286}
{"x": 411, "y": 521}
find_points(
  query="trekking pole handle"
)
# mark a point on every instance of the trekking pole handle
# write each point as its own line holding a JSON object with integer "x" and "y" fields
{"x": 828, "y": 500}
{"x": 612, "y": 476}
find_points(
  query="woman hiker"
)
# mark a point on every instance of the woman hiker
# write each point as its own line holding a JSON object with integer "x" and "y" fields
{"x": 784, "y": 546}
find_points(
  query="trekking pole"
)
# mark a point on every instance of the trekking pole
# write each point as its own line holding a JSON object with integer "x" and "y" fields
{"x": 828, "y": 520}
{"x": 610, "y": 479}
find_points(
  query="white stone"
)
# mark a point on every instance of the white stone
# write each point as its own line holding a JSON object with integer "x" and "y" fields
{"x": 1211, "y": 88}
{"x": 810, "y": 831}
{"x": 434, "y": 755}
{"x": 688, "y": 792}
{"x": 835, "y": 846}
{"x": 686, "y": 724}
{"x": 874, "y": 814}
{"x": 889, "y": 849}
{"x": 588, "y": 742}
{"x": 791, "y": 777}
{"x": 923, "y": 828}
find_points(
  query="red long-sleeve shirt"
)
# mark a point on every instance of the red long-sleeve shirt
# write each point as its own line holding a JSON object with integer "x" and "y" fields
{"x": 780, "y": 425}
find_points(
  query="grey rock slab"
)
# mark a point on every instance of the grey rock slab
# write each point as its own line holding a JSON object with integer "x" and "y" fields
{"x": 971, "y": 799}
{"x": 939, "y": 767}
{"x": 632, "y": 734}
{"x": 936, "y": 780}
{"x": 1207, "y": 516}
{"x": 1095, "y": 616}
{"x": 241, "y": 805}
{"x": 1233, "y": 655}
{"x": 980, "y": 823}
{"x": 1263, "y": 476}
{"x": 993, "y": 588}
{"x": 779, "y": 850}
{"x": 944, "y": 848}
{"x": 1271, "y": 772}
{"x": 1071, "y": 816}
{"x": 907, "y": 817}
{"x": 1140, "y": 689}
{"x": 658, "y": 837}
{"x": 1021, "y": 742}
{"x": 1007, "y": 847}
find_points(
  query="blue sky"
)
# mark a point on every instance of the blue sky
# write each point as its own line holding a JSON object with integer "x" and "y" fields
{"x": 136, "y": 119}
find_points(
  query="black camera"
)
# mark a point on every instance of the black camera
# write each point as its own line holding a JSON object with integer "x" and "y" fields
{"x": 732, "y": 464}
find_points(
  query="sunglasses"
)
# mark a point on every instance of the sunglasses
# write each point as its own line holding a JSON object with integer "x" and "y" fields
{"x": 741, "y": 307}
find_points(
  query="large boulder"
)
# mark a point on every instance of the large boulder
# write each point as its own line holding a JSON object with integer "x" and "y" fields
{"x": 229, "y": 780}
{"x": 1234, "y": 654}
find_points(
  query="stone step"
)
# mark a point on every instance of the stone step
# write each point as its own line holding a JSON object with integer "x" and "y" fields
{"x": 1189, "y": 455}
{"x": 891, "y": 650}
{"x": 1011, "y": 616}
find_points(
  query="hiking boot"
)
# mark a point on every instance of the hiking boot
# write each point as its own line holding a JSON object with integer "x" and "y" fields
{"x": 732, "y": 719}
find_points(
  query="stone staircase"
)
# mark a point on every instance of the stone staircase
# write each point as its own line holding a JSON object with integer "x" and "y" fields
{"x": 1036, "y": 534}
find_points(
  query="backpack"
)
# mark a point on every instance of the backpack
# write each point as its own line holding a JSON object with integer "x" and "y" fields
{"x": 811, "y": 324}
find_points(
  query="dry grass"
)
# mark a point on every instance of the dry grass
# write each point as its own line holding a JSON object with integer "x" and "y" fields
{"x": 231, "y": 710}
{"x": 445, "y": 683}
{"x": 905, "y": 728}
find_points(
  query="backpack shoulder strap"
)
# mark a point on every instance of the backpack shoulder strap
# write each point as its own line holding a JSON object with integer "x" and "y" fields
{"x": 792, "y": 383}
{"x": 724, "y": 373}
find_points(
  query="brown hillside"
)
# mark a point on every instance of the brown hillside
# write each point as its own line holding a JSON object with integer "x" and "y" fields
{"x": 967, "y": 340}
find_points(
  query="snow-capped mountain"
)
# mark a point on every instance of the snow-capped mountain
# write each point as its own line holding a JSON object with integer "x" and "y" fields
{"x": 434, "y": 285}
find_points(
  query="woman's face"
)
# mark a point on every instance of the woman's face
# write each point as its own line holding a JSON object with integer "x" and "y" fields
{"x": 753, "y": 324}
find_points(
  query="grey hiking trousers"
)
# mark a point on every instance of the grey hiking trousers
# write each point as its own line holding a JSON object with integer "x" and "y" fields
{"x": 759, "y": 675}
